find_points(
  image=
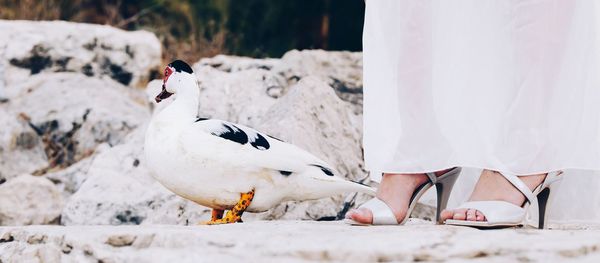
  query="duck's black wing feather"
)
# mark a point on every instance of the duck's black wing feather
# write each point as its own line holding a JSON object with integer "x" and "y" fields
{"x": 246, "y": 145}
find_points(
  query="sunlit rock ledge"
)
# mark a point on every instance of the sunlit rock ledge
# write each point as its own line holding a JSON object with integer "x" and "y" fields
{"x": 294, "y": 241}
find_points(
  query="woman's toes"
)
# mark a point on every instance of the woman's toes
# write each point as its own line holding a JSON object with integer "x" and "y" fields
{"x": 460, "y": 214}
{"x": 480, "y": 216}
{"x": 350, "y": 213}
{"x": 446, "y": 214}
{"x": 471, "y": 216}
{"x": 361, "y": 215}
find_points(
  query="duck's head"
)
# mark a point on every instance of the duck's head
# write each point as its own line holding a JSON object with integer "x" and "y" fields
{"x": 177, "y": 75}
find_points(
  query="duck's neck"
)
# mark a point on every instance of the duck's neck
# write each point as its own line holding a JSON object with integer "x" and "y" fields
{"x": 183, "y": 110}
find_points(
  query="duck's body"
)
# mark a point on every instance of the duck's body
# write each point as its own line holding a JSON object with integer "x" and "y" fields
{"x": 212, "y": 162}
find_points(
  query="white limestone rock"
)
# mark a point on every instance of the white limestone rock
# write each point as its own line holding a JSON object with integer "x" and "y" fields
{"x": 72, "y": 114}
{"x": 235, "y": 64}
{"x": 3, "y": 96}
{"x": 31, "y": 47}
{"x": 27, "y": 200}
{"x": 240, "y": 96}
{"x": 340, "y": 69}
{"x": 70, "y": 179}
{"x": 21, "y": 149}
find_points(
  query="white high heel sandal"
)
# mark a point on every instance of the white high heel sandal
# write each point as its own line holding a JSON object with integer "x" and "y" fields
{"x": 383, "y": 215}
{"x": 504, "y": 214}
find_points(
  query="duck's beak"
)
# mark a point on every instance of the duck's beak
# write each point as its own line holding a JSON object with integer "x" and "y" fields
{"x": 163, "y": 94}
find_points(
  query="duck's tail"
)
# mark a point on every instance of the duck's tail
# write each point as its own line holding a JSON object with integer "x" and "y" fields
{"x": 319, "y": 182}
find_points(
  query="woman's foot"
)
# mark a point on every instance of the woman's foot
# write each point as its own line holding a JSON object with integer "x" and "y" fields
{"x": 395, "y": 190}
{"x": 492, "y": 186}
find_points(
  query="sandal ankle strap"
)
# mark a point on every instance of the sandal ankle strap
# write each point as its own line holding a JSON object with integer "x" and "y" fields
{"x": 522, "y": 187}
{"x": 433, "y": 178}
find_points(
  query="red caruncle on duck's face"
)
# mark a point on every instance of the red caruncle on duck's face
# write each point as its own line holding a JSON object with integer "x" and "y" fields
{"x": 168, "y": 72}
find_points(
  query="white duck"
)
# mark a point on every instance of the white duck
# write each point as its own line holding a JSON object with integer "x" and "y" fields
{"x": 223, "y": 165}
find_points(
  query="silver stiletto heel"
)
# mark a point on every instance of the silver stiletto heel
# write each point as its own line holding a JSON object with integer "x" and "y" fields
{"x": 542, "y": 202}
{"x": 443, "y": 187}
{"x": 543, "y": 196}
{"x": 383, "y": 215}
{"x": 505, "y": 214}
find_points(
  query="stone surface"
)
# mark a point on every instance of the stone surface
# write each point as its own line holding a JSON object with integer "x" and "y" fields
{"x": 295, "y": 241}
{"x": 29, "y": 48}
{"x": 240, "y": 97}
{"x": 64, "y": 92}
{"x": 20, "y": 147}
{"x": 26, "y": 200}
{"x": 339, "y": 69}
{"x": 60, "y": 118}
{"x": 3, "y": 96}
{"x": 70, "y": 179}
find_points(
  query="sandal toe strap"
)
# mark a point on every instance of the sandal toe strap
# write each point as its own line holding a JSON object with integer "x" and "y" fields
{"x": 497, "y": 211}
{"x": 382, "y": 213}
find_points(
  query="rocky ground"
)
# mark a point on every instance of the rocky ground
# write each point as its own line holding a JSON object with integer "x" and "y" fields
{"x": 74, "y": 103}
{"x": 295, "y": 241}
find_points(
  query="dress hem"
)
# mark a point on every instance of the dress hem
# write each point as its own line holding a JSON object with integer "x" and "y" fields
{"x": 440, "y": 168}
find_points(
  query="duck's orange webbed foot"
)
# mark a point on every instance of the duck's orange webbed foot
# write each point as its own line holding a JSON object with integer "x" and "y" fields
{"x": 217, "y": 214}
{"x": 235, "y": 214}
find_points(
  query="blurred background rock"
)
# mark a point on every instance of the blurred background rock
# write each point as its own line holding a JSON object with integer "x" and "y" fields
{"x": 191, "y": 30}
{"x": 76, "y": 96}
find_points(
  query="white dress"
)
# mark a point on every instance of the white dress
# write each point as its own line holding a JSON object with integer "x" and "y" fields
{"x": 512, "y": 86}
